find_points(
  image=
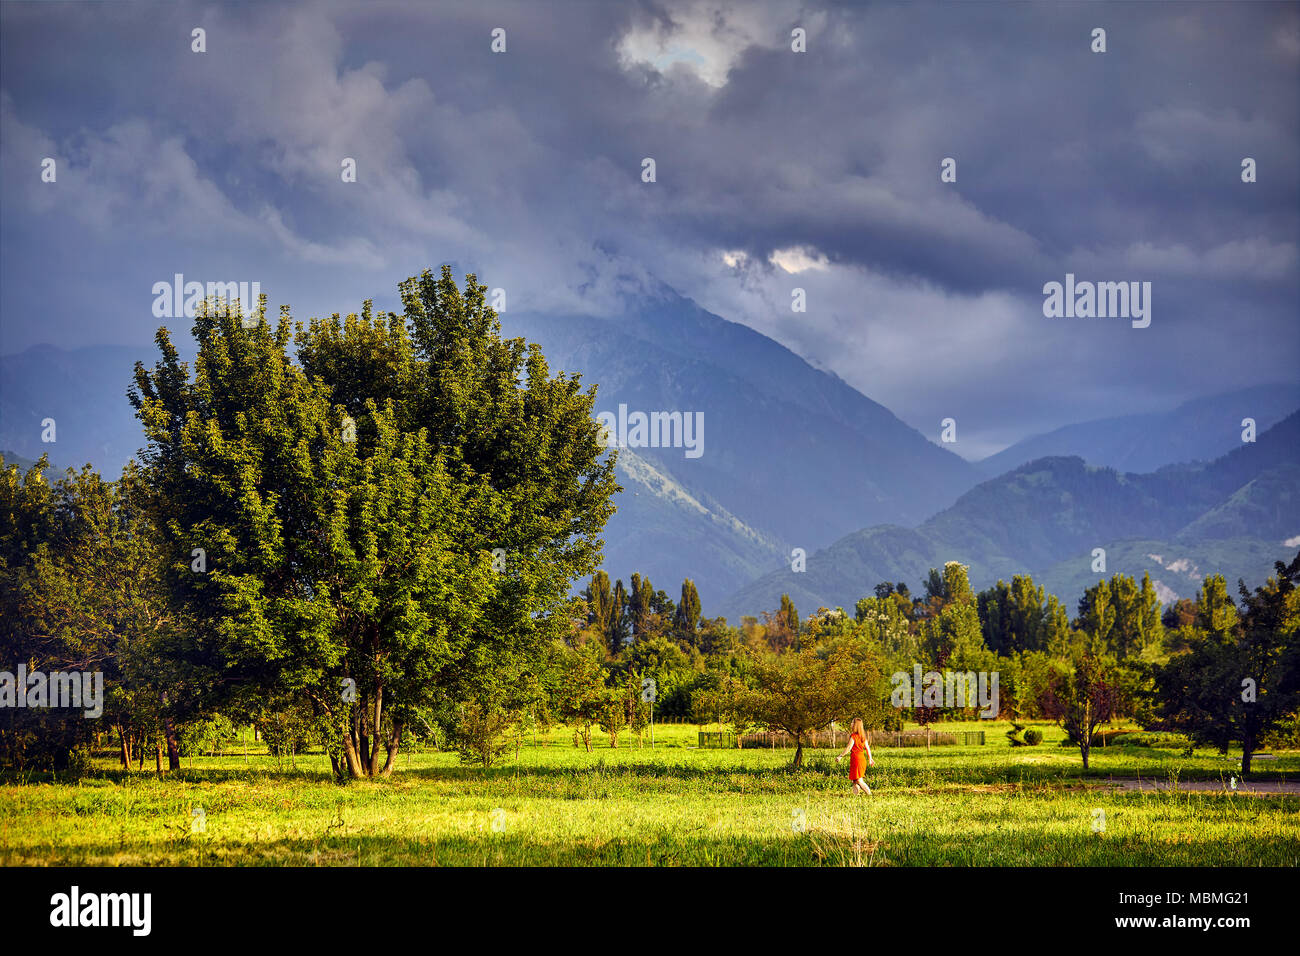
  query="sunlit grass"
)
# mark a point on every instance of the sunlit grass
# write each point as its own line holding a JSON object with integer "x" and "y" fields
{"x": 991, "y": 805}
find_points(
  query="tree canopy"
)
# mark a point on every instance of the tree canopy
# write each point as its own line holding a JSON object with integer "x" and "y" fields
{"x": 388, "y": 516}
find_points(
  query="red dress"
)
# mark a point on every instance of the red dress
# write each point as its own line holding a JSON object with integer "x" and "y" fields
{"x": 857, "y": 757}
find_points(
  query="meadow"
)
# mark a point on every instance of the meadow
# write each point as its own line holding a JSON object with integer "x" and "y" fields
{"x": 554, "y": 804}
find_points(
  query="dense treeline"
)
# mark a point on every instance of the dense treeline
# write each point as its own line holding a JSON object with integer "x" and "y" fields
{"x": 85, "y": 587}
{"x": 1217, "y": 671}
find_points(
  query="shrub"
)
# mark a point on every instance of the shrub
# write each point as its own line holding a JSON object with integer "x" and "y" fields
{"x": 1153, "y": 739}
{"x": 482, "y": 731}
{"x": 207, "y": 735}
{"x": 1286, "y": 736}
{"x": 80, "y": 762}
{"x": 40, "y": 739}
{"x": 1033, "y": 737}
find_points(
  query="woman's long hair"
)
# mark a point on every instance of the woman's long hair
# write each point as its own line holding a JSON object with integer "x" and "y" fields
{"x": 857, "y": 728}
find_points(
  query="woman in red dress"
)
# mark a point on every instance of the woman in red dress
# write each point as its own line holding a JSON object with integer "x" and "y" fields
{"x": 859, "y": 753}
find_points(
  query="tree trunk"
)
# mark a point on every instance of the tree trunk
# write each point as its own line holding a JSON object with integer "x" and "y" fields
{"x": 1084, "y": 748}
{"x": 798, "y": 750}
{"x": 126, "y": 748}
{"x": 1247, "y": 745}
{"x": 376, "y": 716}
{"x": 352, "y": 741}
{"x": 158, "y": 756}
{"x": 391, "y": 745}
{"x": 169, "y": 732}
{"x": 359, "y": 752}
{"x": 351, "y": 756}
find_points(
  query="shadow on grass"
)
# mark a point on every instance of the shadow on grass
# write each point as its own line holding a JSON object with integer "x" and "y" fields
{"x": 133, "y": 777}
{"x": 817, "y": 766}
{"x": 815, "y": 847}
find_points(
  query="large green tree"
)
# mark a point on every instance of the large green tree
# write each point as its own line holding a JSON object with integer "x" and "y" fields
{"x": 1122, "y": 617}
{"x": 1240, "y": 676}
{"x": 391, "y": 515}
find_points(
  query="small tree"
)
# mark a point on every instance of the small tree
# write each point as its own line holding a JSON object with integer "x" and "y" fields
{"x": 782, "y": 627}
{"x": 582, "y": 692}
{"x": 687, "y": 619}
{"x": 482, "y": 731}
{"x": 613, "y": 713}
{"x": 801, "y": 692}
{"x": 80, "y": 589}
{"x": 638, "y": 710}
{"x": 1079, "y": 701}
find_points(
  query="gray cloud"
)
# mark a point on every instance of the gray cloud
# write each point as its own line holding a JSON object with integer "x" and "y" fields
{"x": 525, "y": 168}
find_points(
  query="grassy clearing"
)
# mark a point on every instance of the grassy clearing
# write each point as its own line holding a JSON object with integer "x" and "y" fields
{"x": 556, "y": 805}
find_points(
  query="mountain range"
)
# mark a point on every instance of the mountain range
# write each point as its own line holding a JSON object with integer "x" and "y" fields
{"x": 1199, "y": 430}
{"x": 795, "y": 458}
{"x": 1235, "y": 515}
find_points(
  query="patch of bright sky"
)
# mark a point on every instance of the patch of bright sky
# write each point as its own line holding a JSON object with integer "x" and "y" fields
{"x": 705, "y": 38}
{"x": 798, "y": 259}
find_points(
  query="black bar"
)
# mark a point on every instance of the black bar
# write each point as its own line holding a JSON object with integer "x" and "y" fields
{"x": 303, "y": 905}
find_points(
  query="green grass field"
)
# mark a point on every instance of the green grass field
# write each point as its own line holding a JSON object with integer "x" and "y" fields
{"x": 674, "y": 805}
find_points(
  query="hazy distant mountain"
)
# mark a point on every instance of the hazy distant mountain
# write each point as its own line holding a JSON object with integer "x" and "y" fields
{"x": 661, "y": 528}
{"x": 1236, "y": 515}
{"x": 792, "y": 457}
{"x": 788, "y": 448}
{"x": 1199, "y": 430}
{"x": 84, "y": 391}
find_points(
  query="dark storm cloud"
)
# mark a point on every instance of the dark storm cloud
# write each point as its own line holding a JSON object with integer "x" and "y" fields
{"x": 525, "y": 167}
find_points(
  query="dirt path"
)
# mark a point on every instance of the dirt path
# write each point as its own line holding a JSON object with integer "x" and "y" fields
{"x": 1286, "y": 786}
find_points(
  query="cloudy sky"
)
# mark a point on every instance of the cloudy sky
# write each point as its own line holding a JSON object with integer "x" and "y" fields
{"x": 775, "y": 169}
